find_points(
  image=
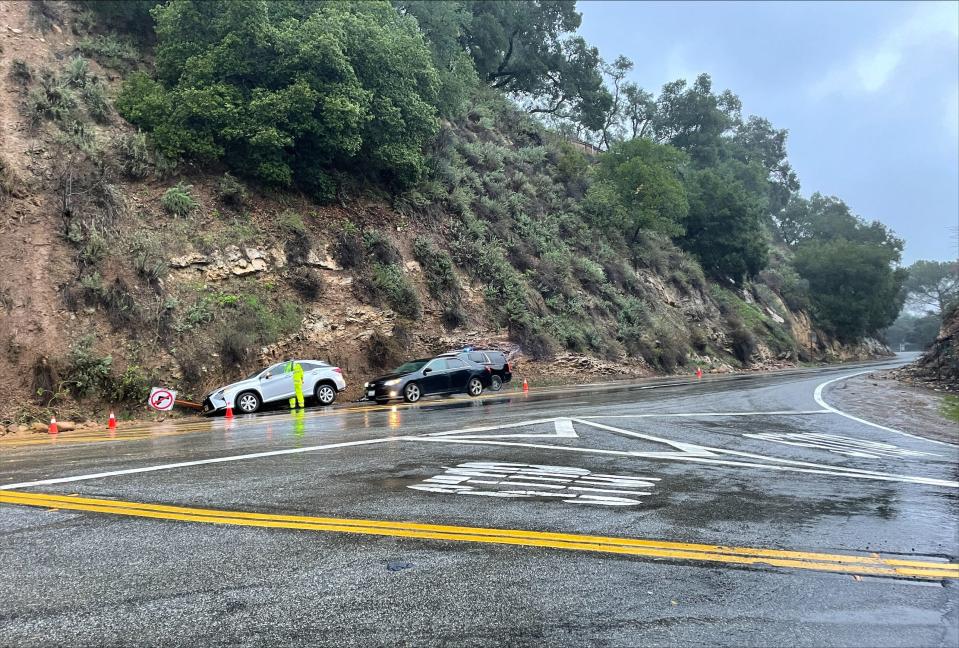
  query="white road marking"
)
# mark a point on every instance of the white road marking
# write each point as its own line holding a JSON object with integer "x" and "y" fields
{"x": 702, "y": 454}
{"x": 185, "y": 464}
{"x": 503, "y": 478}
{"x": 849, "y": 446}
{"x": 705, "y": 414}
{"x": 698, "y": 454}
{"x": 562, "y": 428}
{"x": 817, "y": 395}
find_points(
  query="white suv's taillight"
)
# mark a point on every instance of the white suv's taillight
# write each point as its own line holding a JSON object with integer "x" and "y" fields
{"x": 337, "y": 370}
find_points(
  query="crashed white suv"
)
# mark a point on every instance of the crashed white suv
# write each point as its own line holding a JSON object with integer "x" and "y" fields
{"x": 320, "y": 380}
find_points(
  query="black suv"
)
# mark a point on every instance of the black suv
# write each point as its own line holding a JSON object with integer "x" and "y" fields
{"x": 444, "y": 374}
{"x": 495, "y": 361}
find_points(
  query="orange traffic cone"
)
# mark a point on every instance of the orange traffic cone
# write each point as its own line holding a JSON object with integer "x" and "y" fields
{"x": 53, "y": 425}
{"x": 229, "y": 411}
{"x": 112, "y": 424}
{"x": 699, "y": 372}
{"x": 525, "y": 385}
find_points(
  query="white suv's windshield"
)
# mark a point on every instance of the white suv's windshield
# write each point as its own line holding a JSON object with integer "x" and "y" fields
{"x": 277, "y": 368}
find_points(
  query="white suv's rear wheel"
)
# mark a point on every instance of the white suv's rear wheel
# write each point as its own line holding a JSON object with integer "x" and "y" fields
{"x": 248, "y": 402}
{"x": 325, "y": 394}
{"x": 496, "y": 383}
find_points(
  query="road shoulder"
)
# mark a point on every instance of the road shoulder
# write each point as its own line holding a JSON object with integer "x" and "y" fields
{"x": 881, "y": 398}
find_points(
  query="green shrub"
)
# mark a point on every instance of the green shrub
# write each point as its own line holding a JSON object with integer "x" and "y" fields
{"x": 120, "y": 306}
{"x": 77, "y": 72}
{"x": 297, "y": 245}
{"x": 110, "y": 51}
{"x": 670, "y": 350}
{"x": 133, "y": 155}
{"x": 438, "y": 268}
{"x": 148, "y": 259}
{"x": 742, "y": 340}
{"x": 94, "y": 249}
{"x": 86, "y": 373}
{"x": 231, "y": 192}
{"x": 234, "y": 346}
{"x": 51, "y": 100}
{"x": 9, "y": 179}
{"x": 698, "y": 339}
{"x": 20, "y": 71}
{"x": 396, "y": 289}
{"x": 535, "y": 342}
{"x": 132, "y": 386}
{"x": 95, "y": 98}
{"x": 349, "y": 249}
{"x": 381, "y": 248}
{"x": 589, "y": 273}
{"x": 178, "y": 201}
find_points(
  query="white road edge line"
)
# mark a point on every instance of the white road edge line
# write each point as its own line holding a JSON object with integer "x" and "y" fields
{"x": 817, "y": 395}
{"x": 199, "y": 462}
{"x": 702, "y": 414}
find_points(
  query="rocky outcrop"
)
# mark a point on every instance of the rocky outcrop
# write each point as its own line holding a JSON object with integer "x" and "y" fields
{"x": 234, "y": 261}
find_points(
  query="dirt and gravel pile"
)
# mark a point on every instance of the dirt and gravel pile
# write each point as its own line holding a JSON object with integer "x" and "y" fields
{"x": 938, "y": 368}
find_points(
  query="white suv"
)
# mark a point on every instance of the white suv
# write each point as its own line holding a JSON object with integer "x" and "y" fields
{"x": 320, "y": 380}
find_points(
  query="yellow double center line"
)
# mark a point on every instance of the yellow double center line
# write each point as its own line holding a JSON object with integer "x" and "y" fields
{"x": 871, "y": 565}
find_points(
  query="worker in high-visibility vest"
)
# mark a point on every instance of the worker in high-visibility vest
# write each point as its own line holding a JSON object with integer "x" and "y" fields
{"x": 296, "y": 369}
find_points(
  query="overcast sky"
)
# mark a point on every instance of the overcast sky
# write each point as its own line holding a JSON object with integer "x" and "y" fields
{"x": 868, "y": 91}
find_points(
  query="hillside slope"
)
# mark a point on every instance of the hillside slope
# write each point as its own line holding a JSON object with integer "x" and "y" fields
{"x": 121, "y": 269}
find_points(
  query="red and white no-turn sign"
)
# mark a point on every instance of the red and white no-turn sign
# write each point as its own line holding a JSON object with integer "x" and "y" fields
{"x": 161, "y": 399}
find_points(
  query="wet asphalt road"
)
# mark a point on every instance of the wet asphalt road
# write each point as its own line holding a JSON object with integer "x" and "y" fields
{"x": 748, "y": 462}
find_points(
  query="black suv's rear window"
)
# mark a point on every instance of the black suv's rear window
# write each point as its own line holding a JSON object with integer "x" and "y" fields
{"x": 495, "y": 357}
{"x": 477, "y": 357}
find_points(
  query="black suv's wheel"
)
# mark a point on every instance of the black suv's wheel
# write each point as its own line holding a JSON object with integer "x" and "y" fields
{"x": 248, "y": 402}
{"x": 496, "y": 383}
{"x": 325, "y": 394}
{"x": 474, "y": 387}
{"x": 412, "y": 392}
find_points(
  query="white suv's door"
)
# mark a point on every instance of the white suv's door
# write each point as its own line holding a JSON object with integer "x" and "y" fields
{"x": 312, "y": 373}
{"x": 275, "y": 383}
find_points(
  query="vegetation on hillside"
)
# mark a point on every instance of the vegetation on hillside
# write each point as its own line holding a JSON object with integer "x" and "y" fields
{"x": 470, "y": 119}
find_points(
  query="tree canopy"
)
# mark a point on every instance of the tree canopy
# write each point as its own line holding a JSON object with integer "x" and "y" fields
{"x": 850, "y": 264}
{"x": 724, "y": 227}
{"x": 694, "y": 119}
{"x": 528, "y": 50}
{"x": 932, "y": 285}
{"x": 638, "y": 187}
{"x": 285, "y": 95}
{"x": 854, "y": 288}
